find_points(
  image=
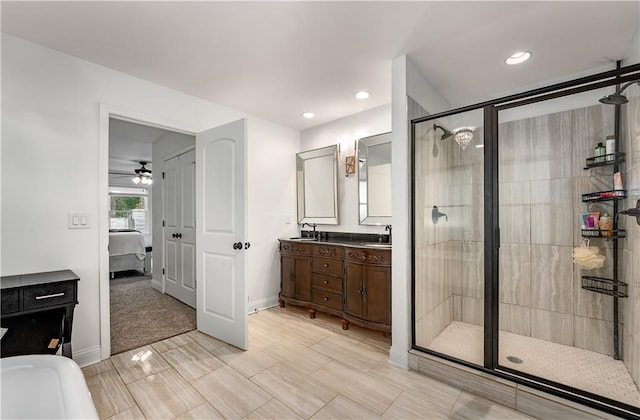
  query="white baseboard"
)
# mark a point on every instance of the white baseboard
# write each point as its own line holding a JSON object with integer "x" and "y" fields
{"x": 262, "y": 304}
{"x": 399, "y": 358}
{"x": 87, "y": 357}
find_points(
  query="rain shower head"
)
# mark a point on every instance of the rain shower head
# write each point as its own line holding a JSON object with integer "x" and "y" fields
{"x": 445, "y": 133}
{"x": 617, "y": 98}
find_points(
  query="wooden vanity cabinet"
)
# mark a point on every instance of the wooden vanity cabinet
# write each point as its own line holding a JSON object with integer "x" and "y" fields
{"x": 368, "y": 288}
{"x": 295, "y": 274}
{"x": 353, "y": 283}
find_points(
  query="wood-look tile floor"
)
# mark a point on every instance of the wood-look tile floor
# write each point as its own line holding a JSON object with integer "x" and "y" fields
{"x": 295, "y": 368}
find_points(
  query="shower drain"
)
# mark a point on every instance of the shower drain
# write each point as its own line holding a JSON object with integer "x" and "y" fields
{"x": 514, "y": 359}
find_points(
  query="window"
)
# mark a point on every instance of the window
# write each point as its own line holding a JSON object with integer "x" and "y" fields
{"x": 128, "y": 209}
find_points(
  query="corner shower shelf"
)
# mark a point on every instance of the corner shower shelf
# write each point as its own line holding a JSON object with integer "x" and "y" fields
{"x": 610, "y": 159}
{"x": 607, "y": 234}
{"x": 605, "y": 286}
{"x": 604, "y": 196}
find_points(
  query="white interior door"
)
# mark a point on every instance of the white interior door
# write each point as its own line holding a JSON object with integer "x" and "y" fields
{"x": 179, "y": 229}
{"x": 220, "y": 233}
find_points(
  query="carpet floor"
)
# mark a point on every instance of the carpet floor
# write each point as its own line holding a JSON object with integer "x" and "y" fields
{"x": 141, "y": 315}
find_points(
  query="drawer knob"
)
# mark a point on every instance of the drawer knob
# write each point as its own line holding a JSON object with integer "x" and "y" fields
{"x": 326, "y": 299}
{"x": 50, "y": 296}
{"x": 326, "y": 282}
{"x": 326, "y": 265}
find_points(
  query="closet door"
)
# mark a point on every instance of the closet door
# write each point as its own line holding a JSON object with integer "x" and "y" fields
{"x": 179, "y": 230}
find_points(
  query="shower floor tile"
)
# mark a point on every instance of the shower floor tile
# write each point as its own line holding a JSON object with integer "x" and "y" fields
{"x": 593, "y": 372}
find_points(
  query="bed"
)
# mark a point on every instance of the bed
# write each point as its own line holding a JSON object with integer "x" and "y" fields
{"x": 127, "y": 250}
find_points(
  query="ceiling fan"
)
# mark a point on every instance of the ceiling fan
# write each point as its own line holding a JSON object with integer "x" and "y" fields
{"x": 142, "y": 175}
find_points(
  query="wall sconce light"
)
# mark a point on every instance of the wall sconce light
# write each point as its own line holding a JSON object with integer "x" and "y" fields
{"x": 349, "y": 161}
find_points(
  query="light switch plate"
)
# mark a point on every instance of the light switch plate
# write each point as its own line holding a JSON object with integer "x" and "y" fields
{"x": 78, "y": 220}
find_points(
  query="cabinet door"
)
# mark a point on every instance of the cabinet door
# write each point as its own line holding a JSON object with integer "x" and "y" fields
{"x": 377, "y": 294}
{"x": 286, "y": 275}
{"x": 352, "y": 290}
{"x": 302, "y": 278}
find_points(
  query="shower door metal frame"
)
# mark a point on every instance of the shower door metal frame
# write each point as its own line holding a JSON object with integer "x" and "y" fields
{"x": 492, "y": 233}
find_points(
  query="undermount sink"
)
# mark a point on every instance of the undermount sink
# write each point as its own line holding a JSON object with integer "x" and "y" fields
{"x": 376, "y": 244}
{"x": 304, "y": 239}
{"x": 44, "y": 386}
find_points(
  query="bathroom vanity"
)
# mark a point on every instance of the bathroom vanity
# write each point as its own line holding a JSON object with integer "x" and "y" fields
{"x": 37, "y": 311}
{"x": 347, "y": 278}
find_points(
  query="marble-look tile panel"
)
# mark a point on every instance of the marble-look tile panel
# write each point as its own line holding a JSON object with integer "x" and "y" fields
{"x": 590, "y": 304}
{"x": 408, "y": 406}
{"x": 274, "y": 410}
{"x": 303, "y": 395}
{"x": 110, "y": 395}
{"x": 192, "y": 360}
{"x": 97, "y": 368}
{"x": 357, "y": 355}
{"x": 472, "y": 278}
{"x": 203, "y": 411}
{"x": 139, "y": 363}
{"x": 433, "y": 323}
{"x": 515, "y": 212}
{"x": 372, "y": 393}
{"x": 298, "y": 357}
{"x": 590, "y": 126}
{"x": 552, "y": 278}
{"x": 172, "y": 343}
{"x": 550, "y": 146}
{"x": 230, "y": 393}
{"x": 550, "y": 326}
{"x": 442, "y": 395}
{"x": 515, "y": 319}
{"x": 495, "y": 389}
{"x": 552, "y": 218}
{"x": 472, "y": 310}
{"x": 165, "y": 394}
{"x": 545, "y": 408}
{"x": 133, "y": 413}
{"x": 247, "y": 362}
{"x": 341, "y": 408}
{"x": 515, "y": 274}
{"x": 513, "y": 151}
{"x": 594, "y": 335}
{"x": 470, "y": 406}
{"x": 457, "y": 308}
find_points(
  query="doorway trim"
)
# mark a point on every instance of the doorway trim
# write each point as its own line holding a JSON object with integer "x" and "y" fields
{"x": 107, "y": 112}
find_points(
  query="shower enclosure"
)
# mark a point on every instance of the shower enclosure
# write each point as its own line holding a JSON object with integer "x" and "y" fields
{"x": 501, "y": 192}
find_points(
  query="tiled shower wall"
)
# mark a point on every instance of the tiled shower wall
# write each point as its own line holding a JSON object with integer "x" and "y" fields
{"x": 541, "y": 183}
{"x": 631, "y": 253}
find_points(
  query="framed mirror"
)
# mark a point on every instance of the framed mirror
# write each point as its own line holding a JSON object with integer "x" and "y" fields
{"x": 374, "y": 179}
{"x": 317, "y": 185}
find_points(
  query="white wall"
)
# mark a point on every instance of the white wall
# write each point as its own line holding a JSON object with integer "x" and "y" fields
{"x": 166, "y": 146}
{"x": 51, "y": 125}
{"x": 345, "y": 131}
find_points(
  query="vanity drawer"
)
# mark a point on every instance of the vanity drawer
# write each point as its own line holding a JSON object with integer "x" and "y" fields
{"x": 50, "y": 294}
{"x": 325, "y": 298}
{"x": 327, "y": 266}
{"x": 321, "y": 281}
{"x": 330, "y": 251}
{"x": 10, "y": 300}
{"x": 369, "y": 256}
{"x": 295, "y": 247}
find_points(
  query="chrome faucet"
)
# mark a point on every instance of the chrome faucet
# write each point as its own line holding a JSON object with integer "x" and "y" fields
{"x": 388, "y": 228}
{"x": 311, "y": 225}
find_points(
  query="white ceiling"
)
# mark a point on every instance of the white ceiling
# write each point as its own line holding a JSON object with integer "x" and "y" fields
{"x": 279, "y": 59}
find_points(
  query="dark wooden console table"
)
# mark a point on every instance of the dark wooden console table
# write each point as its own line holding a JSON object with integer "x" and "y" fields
{"x": 37, "y": 311}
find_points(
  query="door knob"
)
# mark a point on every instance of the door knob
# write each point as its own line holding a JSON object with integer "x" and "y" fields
{"x": 247, "y": 245}
{"x": 237, "y": 245}
{"x": 178, "y": 235}
{"x": 174, "y": 235}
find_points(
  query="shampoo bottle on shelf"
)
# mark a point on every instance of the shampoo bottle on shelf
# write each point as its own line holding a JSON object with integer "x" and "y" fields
{"x": 599, "y": 152}
{"x": 610, "y": 147}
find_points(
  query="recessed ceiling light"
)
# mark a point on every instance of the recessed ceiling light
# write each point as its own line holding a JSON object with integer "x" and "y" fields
{"x": 518, "y": 57}
{"x": 308, "y": 115}
{"x": 363, "y": 94}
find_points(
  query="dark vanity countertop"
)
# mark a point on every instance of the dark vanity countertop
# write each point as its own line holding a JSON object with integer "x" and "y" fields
{"x": 8, "y": 282}
{"x": 361, "y": 240}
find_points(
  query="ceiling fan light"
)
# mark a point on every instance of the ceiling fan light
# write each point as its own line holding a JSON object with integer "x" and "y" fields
{"x": 463, "y": 137}
{"x": 136, "y": 179}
